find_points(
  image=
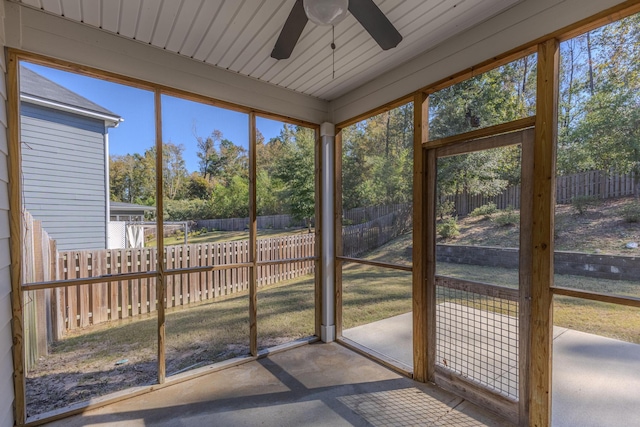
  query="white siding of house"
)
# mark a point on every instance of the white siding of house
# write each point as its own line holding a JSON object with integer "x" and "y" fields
{"x": 63, "y": 158}
{"x": 6, "y": 361}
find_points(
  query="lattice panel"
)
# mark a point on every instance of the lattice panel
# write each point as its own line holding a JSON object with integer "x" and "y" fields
{"x": 477, "y": 338}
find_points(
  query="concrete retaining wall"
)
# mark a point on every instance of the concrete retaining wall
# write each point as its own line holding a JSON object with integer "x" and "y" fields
{"x": 575, "y": 263}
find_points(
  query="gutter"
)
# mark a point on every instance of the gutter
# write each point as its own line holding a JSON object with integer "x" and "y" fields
{"x": 111, "y": 121}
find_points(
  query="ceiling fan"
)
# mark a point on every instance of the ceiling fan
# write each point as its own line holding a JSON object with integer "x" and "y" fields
{"x": 330, "y": 12}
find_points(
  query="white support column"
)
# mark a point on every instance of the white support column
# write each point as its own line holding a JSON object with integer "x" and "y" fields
{"x": 328, "y": 327}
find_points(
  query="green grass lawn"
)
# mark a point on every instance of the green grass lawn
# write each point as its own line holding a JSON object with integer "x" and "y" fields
{"x": 226, "y": 236}
{"x": 609, "y": 320}
{"x": 373, "y": 293}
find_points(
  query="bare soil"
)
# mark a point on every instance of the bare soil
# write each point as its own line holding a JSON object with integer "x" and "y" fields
{"x": 601, "y": 229}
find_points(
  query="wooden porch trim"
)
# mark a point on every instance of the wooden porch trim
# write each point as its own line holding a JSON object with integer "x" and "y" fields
{"x": 161, "y": 263}
{"x": 541, "y": 227}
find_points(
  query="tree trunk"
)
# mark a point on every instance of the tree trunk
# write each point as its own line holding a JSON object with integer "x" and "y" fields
{"x": 590, "y": 64}
{"x": 567, "y": 116}
{"x": 521, "y": 96}
{"x": 386, "y": 146}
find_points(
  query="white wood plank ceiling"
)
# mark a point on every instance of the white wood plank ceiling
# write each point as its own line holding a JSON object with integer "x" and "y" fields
{"x": 238, "y": 35}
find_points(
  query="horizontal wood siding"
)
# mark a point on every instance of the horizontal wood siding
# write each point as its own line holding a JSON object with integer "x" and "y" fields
{"x": 6, "y": 362}
{"x": 63, "y": 160}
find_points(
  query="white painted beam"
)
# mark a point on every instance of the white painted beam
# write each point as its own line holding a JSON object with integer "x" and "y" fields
{"x": 328, "y": 326}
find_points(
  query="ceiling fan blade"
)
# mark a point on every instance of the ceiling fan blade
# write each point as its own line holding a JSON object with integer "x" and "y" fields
{"x": 290, "y": 32}
{"x": 375, "y": 22}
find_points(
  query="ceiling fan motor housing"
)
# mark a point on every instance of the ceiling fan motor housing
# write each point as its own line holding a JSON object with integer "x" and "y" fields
{"x": 330, "y": 12}
{"x": 326, "y": 12}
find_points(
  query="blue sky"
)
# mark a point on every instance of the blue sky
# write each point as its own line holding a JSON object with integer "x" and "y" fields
{"x": 180, "y": 118}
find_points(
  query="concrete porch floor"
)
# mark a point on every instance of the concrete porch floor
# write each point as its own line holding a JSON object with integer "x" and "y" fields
{"x": 312, "y": 385}
{"x": 596, "y": 380}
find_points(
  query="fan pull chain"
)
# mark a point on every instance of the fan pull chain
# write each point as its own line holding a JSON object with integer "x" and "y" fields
{"x": 333, "y": 51}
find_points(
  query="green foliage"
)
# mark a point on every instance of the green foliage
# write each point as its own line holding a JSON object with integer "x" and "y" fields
{"x": 377, "y": 159}
{"x": 599, "y": 98}
{"x": 199, "y": 187}
{"x": 497, "y": 96}
{"x": 631, "y": 212}
{"x": 582, "y": 204}
{"x": 132, "y": 177}
{"x": 232, "y": 200}
{"x": 444, "y": 208}
{"x": 174, "y": 171}
{"x": 268, "y": 190}
{"x": 184, "y": 210}
{"x": 485, "y": 210}
{"x": 507, "y": 218}
{"x": 295, "y": 169}
{"x": 448, "y": 228}
{"x": 220, "y": 159}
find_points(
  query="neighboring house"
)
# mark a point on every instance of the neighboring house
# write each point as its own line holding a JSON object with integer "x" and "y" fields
{"x": 62, "y": 128}
{"x": 129, "y": 212}
{"x": 126, "y": 229}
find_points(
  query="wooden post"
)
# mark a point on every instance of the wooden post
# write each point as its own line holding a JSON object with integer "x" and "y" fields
{"x": 422, "y": 368}
{"x": 524, "y": 303}
{"x": 160, "y": 281}
{"x": 253, "y": 231}
{"x": 337, "y": 221}
{"x": 15, "y": 202}
{"x": 542, "y": 233}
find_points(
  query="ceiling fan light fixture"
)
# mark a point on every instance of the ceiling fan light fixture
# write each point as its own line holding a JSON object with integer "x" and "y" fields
{"x": 326, "y": 12}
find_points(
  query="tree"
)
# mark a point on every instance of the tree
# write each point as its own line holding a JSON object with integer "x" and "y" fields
{"x": 378, "y": 159}
{"x": 600, "y": 86}
{"x": 198, "y": 187}
{"x": 295, "y": 170}
{"x": 231, "y": 200}
{"x": 497, "y": 96}
{"x": 268, "y": 188}
{"x": 174, "y": 171}
{"x": 132, "y": 178}
{"x": 207, "y": 153}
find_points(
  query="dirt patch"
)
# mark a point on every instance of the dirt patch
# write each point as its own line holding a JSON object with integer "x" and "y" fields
{"x": 54, "y": 384}
{"x": 601, "y": 229}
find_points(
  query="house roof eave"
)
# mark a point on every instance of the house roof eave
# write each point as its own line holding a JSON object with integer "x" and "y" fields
{"x": 110, "y": 121}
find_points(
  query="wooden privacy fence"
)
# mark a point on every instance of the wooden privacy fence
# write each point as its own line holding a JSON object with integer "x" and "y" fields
{"x": 465, "y": 203}
{"x": 369, "y": 213}
{"x": 84, "y": 305}
{"x": 281, "y": 222}
{"x": 594, "y": 183}
{"x": 276, "y": 222}
{"x": 361, "y": 238}
{"x": 598, "y": 184}
{"x": 38, "y": 264}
